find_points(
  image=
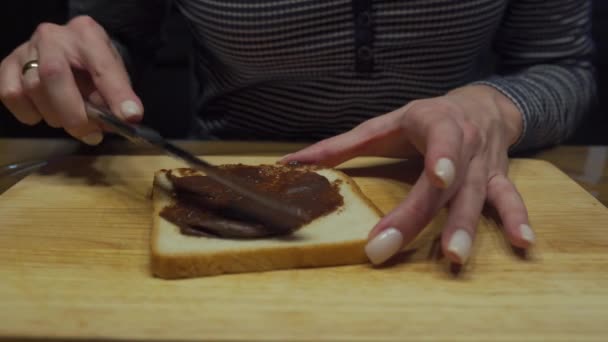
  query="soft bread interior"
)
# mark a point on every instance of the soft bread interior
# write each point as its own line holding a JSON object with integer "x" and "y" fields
{"x": 351, "y": 223}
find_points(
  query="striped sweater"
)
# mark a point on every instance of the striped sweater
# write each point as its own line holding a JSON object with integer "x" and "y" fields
{"x": 310, "y": 69}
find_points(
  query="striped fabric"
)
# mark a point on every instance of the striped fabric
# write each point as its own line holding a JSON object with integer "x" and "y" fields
{"x": 288, "y": 69}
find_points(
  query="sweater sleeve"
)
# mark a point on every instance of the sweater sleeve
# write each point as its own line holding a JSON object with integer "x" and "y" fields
{"x": 134, "y": 26}
{"x": 545, "y": 67}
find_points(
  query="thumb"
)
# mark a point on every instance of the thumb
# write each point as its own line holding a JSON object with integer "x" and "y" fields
{"x": 380, "y": 136}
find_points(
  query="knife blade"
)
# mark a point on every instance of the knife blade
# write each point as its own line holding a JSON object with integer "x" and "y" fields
{"x": 276, "y": 215}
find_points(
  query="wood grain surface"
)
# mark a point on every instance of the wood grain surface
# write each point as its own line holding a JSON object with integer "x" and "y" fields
{"x": 74, "y": 264}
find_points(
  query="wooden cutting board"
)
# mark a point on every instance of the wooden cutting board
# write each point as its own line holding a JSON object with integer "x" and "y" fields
{"x": 74, "y": 264}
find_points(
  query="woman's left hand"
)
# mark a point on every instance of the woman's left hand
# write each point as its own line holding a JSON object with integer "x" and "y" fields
{"x": 464, "y": 137}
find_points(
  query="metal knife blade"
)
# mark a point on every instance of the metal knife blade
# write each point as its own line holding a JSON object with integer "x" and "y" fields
{"x": 276, "y": 215}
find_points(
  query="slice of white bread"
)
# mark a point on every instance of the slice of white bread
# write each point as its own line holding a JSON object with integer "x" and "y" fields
{"x": 335, "y": 239}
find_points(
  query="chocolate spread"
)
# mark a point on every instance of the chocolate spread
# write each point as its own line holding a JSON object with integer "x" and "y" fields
{"x": 203, "y": 207}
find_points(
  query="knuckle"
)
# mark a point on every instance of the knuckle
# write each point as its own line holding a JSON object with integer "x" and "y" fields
{"x": 50, "y": 69}
{"x": 417, "y": 105}
{"x": 46, "y": 31}
{"x": 420, "y": 108}
{"x": 426, "y": 114}
{"x": 415, "y": 118}
{"x": 449, "y": 126}
{"x": 107, "y": 69}
{"x": 471, "y": 134}
{"x": 418, "y": 211}
{"x": 84, "y": 23}
{"x": 407, "y": 120}
{"x": 444, "y": 107}
{"x": 464, "y": 220}
{"x": 499, "y": 184}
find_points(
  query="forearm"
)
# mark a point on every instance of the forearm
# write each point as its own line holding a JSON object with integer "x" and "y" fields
{"x": 544, "y": 68}
{"x": 551, "y": 101}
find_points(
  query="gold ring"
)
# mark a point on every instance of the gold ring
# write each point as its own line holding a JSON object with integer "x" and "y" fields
{"x": 29, "y": 65}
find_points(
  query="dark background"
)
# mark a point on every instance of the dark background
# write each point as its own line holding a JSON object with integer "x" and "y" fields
{"x": 164, "y": 88}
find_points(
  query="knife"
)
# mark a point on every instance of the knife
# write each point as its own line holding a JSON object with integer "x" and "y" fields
{"x": 276, "y": 215}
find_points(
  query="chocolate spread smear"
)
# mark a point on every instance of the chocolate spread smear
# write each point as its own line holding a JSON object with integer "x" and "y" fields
{"x": 203, "y": 207}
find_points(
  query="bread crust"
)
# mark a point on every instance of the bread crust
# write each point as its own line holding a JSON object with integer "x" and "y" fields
{"x": 188, "y": 265}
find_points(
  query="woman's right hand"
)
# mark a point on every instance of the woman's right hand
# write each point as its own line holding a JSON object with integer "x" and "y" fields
{"x": 75, "y": 60}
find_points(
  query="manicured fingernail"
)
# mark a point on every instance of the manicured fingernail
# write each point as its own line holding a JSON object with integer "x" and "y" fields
{"x": 444, "y": 169}
{"x": 460, "y": 245}
{"x": 527, "y": 233}
{"x": 384, "y": 246}
{"x": 93, "y": 138}
{"x": 286, "y": 156}
{"x": 130, "y": 109}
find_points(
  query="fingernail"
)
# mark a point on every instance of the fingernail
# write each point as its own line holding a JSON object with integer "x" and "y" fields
{"x": 286, "y": 156}
{"x": 527, "y": 233}
{"x": 130, "y": 109}
{"x": 444, "y": 169}
{"x": 384, "y": 246}
{"x": 460, "y": 245}
{"x": 93, "y": 138}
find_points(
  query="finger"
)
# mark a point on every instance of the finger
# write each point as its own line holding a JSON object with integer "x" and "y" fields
{"x": 464, "y": 213}
{"x": 405, "y": 222}
{"x": 440, "y": 138}
{"x": 330, "y": 152}
{"x": 60, "y": 90}
{"x": 90, "y": 134}
{"x": 380, "y": 136}
{"x": 503, "y": 196}
{"x": 12, "y": 93}
{"x": 33, "y": 87}
{"x": 87, "y": 88}
{"x": 64, "y": 95}
{"x": 107, "y": 70}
